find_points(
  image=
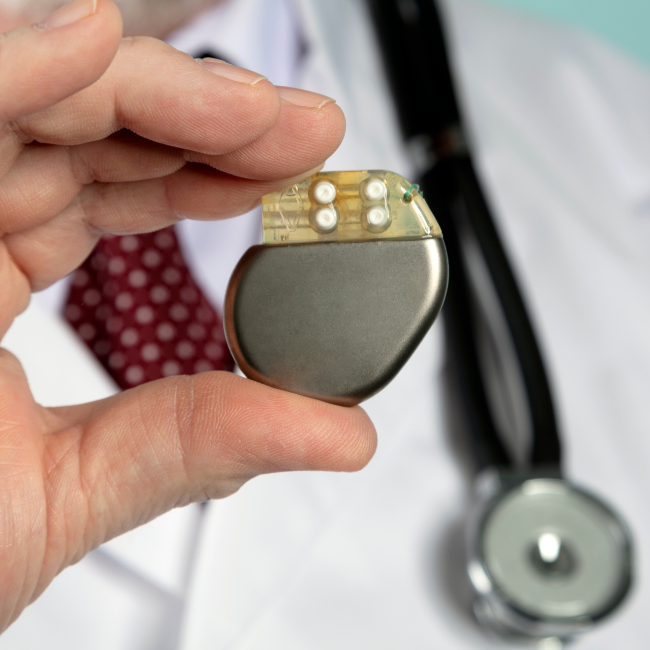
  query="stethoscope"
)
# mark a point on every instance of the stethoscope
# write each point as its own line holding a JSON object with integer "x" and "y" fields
{"x": 546, "y": 559}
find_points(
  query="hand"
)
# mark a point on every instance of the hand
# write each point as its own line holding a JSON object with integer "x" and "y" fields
{"x": 103, "y": 135}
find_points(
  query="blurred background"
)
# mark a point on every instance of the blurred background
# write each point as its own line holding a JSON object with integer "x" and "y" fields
{"x": 622, "y": 22}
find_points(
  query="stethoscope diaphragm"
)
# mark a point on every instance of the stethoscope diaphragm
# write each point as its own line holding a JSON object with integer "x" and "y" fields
{"x": 549, "y": 560}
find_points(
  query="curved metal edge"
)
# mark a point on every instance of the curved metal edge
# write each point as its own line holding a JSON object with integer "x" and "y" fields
{"x": 231, "y": 333}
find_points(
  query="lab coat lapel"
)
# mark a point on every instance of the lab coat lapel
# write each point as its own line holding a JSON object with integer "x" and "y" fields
{"x": 238, "y": 576}
{"x": 343, "y": 61}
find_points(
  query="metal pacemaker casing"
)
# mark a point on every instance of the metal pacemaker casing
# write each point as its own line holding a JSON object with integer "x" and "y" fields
{"x": 335, "y": 321}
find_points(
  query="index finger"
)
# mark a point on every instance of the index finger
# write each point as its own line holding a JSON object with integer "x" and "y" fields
{"x": 166, "y": 96}
{"x": 42, "y": 65}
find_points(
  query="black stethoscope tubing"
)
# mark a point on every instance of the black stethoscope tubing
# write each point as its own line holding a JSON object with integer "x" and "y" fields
{"x": 412, "y": 40}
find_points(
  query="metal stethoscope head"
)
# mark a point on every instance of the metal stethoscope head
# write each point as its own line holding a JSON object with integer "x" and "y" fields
{"x": 547, "y": 560}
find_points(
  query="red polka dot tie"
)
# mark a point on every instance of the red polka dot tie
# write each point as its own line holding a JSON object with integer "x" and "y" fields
{"x": 135, "y": 304}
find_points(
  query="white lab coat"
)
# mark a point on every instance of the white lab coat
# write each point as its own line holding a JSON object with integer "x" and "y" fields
{"x": 561, "y": 137}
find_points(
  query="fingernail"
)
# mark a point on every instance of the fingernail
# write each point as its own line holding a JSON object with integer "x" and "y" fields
{"x": 304, "y": 98}
{"x": 224, "y": 69}
{"x": 69, "y": 13}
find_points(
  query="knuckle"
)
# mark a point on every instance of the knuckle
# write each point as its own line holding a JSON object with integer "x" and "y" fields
{"x": 9, "y": 361}
{"x": 184, "y": 407}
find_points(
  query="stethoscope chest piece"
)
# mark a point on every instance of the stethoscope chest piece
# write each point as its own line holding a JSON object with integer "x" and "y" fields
{"x": 549, "y": 560}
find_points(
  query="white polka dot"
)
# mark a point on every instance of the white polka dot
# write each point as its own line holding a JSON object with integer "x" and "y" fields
{"x": 137, "y": 278}
{"x": 151, "y": 258}
{"x": 116, "y": 360}
{"x": 189, "y": 294}
{"x": 92, "y": 297}
{"x": 114, "y": 324}
{"x": 116, "y": 265}
{"x": 218, "y": 334}
{"x": 102, "y": 347}
{"x": 185, "y": 349}
{"x": 213, "y": 351}
{"x": 81, "y": 278}
{"x": 102, "y": 312}
{"x": 124, "y": 301}
{"x": 159, "y": 294}
{"x": 171, "y": 276}
{"x": 165, "y": 331}
{"x": 163, "y": 240}
{"x": 203, "y": 366}
{"x": 129, "y": 243}
{"x": 98, "y": 261}
{"x": 196, "y": 331}
{"x": 204, "y": 314}
{"x": 110, "y": 288}
{"x": 134, "y": 374}
{"x": 150, "y": 352}
{"x": 171, "y": 368}
{"x": 73, "y": 312}
{"x": 178, "y": 312}
{"x": 144, "y": 315}
{"x": 87, "y": 331}
{"x": 129, "y": 337}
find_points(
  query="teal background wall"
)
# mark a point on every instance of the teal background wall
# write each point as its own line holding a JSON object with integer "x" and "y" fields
{"x": 625, "y": 23}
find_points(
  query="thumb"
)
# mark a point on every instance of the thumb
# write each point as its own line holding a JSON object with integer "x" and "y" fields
{"x": 184, "y": 439}
{"x": 43, "y": 64}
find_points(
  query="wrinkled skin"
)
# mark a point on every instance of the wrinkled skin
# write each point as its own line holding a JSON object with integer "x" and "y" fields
{"x": 104, "y": 135}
